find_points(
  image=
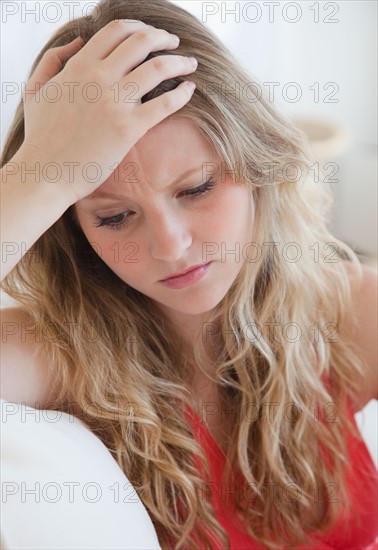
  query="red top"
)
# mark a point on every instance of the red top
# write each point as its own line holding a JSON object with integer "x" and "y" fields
{"x": 358, "y": 532}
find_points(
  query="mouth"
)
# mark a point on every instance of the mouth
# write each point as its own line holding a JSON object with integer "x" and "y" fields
{"x": 189, "y": 270}
{"x": 189, "y": 278}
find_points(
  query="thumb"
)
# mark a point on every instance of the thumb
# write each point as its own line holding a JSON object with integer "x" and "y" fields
{"x": 50, "y": 65}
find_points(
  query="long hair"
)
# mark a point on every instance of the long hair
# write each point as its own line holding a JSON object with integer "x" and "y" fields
{"x": 114, "y": 358}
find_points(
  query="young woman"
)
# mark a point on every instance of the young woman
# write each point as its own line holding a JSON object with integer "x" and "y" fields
{"x": 226, "y": 394}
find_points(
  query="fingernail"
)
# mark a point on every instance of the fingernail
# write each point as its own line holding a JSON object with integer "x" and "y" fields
{"x": 193, "y": 61}
{"x": 175, "y": 39}
{"x": 190, "y": 85}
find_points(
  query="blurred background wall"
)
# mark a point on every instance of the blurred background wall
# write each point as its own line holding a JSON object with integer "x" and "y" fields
{"x": 317, "y": 60}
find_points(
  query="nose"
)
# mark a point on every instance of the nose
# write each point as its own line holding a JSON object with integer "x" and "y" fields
{"x": 169, "y": 236}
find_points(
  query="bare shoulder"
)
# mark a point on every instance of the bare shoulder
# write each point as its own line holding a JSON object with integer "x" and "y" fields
{"x": 365, "y": 329}
{"x": 23, "y": 374}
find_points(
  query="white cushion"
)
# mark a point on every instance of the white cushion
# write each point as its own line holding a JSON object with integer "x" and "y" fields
{"x": 62, "y": 489}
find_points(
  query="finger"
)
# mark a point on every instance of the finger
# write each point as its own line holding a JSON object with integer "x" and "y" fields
{"x": 133, "y": 51}
{"x": 154, "y": 71}
{"x": 109, "y": 37}
{"x": 51, "y": 64}
{"x": 154, "y": 111}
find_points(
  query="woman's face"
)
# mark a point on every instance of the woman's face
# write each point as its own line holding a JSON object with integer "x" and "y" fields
{"x": 167, "y": 230}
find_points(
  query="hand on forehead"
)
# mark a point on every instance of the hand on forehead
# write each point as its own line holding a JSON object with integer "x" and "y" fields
{"x": 170, "y": 151}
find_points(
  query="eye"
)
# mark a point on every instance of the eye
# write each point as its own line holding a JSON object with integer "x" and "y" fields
{"x": 120, "y": 220}
{"x": 201, "y": 190}
{"x": 115, "y": 222}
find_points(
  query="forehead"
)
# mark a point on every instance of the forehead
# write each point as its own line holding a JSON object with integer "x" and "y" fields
{"x": 165, "y": 152}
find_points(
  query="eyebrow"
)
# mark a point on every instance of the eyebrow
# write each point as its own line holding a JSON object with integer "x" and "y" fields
{"x": 104, "y": 195}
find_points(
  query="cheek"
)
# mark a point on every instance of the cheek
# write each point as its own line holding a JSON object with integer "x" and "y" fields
{"x": 232, "y": 218}
{"x": 122, "y": 255}
{"x": 114, "y": 250}
{"x": 106, "y": 243}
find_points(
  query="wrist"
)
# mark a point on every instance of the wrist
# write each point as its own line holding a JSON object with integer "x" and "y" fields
{"x": 31, "y": 167}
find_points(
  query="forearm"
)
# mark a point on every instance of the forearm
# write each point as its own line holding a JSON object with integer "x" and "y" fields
{"x": 30, "y": 204}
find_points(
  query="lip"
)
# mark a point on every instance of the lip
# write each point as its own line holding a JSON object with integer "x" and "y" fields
{"x": 181, "y": 273}
{"x": 189, "y": 277}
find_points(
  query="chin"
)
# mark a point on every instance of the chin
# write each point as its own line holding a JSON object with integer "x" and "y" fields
{"x": 197, "y": 304}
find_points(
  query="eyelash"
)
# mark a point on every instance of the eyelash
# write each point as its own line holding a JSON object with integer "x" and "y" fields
{"x": 193, "y": 193}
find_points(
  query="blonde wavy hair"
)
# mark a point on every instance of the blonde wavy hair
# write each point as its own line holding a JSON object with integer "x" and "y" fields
{"x": 128, "y": 380}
